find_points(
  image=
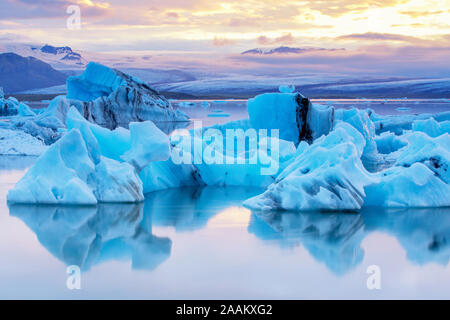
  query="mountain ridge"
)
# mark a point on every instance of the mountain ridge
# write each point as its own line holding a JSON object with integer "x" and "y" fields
{"x": 284, "y": 50}
{"x": 19, "y": 73}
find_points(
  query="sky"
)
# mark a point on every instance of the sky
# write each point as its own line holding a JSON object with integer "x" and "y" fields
{"x": 409, "y": 31}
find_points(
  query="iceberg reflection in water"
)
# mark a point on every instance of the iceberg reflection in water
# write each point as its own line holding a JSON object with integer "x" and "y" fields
{"x": 334, "y": 239}
{"x": 189, "y": 209}
{"x": 86, "y": 236}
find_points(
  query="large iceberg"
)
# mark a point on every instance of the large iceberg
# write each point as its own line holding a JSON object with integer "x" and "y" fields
{"x": 112, "y": 98}
{"x": 89, "y": 165}
{"x": 327, "y": 175}
{"x": 291, "y": 113}
{"x": 352, "y": 167}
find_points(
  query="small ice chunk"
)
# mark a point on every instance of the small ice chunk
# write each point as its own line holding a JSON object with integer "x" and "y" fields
{"x": 287, "y": 88}
{"x": 205, "y": 105}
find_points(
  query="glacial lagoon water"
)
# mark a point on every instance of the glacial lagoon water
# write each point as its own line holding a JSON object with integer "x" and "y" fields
{"x": 201, "y": 243}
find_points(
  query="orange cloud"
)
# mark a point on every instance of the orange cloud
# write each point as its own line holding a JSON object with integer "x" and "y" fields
{"x": 418, "y": 14}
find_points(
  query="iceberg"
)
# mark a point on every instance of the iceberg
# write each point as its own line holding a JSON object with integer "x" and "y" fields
{"x": 45, "y": 126}
{"x": 363, "y": 160}
{"x": 59, "y": 176}
{"x": 419, "y": 176}
{"x": 12, "y": 107}
{"x": 431, "y": 127}
{"x": 291, "y": 113}
{"x": 111, "y": 98}
{"x": 327, "y": 175}
{"x": 400, "y": 124}
{"x": 321, "y": 158}
{"x": 91, "y": 164}
{"x": 101, "y": 95}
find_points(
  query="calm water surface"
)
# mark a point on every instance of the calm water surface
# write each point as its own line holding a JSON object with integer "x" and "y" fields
{"x": 201, "y": 243}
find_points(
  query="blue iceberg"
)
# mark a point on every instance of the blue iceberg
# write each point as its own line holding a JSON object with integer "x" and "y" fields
{"x": 91, "y": 164}
{"x": 320, "y": 158}
{"x": 112, "y": 98}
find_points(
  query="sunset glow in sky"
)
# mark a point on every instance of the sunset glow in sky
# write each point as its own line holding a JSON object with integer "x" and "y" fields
{"x": 410, "y": 37}
{"x": 199, "y": 25}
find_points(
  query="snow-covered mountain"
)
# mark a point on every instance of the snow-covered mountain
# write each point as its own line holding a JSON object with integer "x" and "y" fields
{"x": 284, "y": 50}
{"x": 57, "y": 57}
